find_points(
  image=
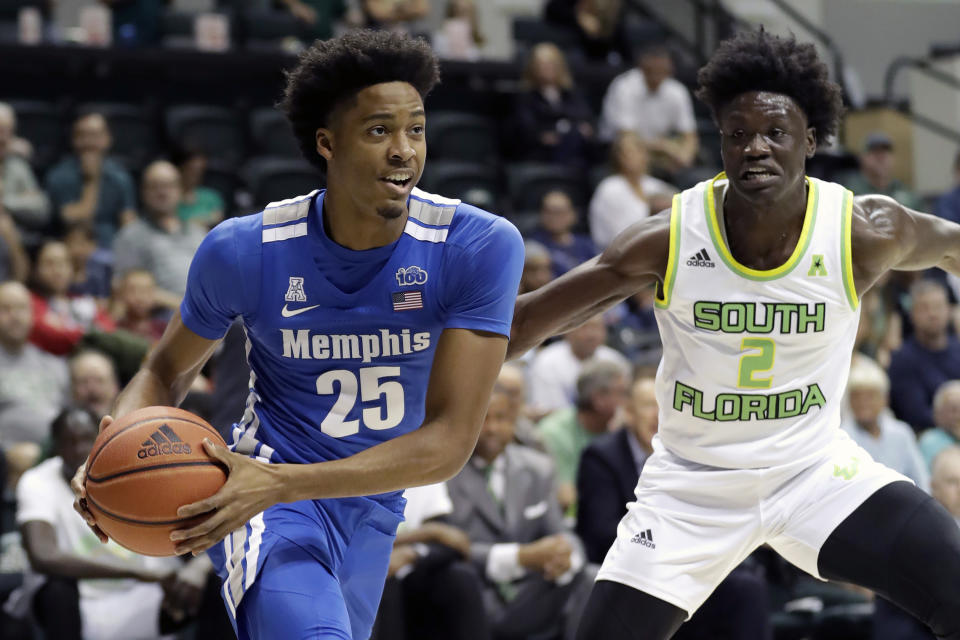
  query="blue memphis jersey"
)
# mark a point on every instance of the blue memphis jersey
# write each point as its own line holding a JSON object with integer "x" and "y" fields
{"x": 334, "y": 372}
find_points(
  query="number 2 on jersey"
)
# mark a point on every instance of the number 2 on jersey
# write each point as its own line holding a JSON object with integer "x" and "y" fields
{"x": 753, "y": 363}
{"x": 371, "y": 389}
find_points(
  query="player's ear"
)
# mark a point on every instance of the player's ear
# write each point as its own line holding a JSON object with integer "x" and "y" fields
{"x": 811, "y": 141}
{"x": 325, "y": 143}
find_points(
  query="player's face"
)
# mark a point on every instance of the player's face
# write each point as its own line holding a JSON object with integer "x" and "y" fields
{"x": 497, "y": 430}
{"x": 376, "y": 147}
{"x": 765, "y": 143}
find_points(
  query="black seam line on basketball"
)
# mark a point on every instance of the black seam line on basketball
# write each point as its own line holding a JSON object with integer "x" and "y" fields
{"x": 137, "y": 424}
{"x": 119, "y": 474}
{"x": 134, "y": 520}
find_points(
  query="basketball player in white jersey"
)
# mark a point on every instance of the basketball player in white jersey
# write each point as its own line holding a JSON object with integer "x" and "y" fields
{"x": 759, "y": 274}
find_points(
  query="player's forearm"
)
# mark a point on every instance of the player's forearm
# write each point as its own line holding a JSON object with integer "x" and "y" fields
{"x": 71, "y": 566}
{"x": 83, "y": 208}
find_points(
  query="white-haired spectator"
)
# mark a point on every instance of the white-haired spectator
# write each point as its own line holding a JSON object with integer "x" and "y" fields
{"x": 945, "y": 480}
{"x": 872, "y": 425}
{"x": 20, "y": 195}
{"x": 946, "y": 417}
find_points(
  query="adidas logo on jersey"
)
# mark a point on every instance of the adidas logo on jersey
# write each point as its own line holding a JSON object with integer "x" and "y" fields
{"x": 645, "y": 538}
{"x": 163, "y": 442}
{"x": 702, "y": 259}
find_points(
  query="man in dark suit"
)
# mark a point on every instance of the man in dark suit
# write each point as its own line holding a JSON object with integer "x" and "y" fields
{"x": 609, "y": 469}
{"x": 536, "y": 581}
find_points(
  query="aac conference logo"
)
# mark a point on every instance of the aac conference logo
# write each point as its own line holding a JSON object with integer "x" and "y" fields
{"x": 411, "y": 275}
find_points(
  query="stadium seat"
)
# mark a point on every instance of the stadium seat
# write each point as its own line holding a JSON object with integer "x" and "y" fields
{"x": 44, "y": 125}
{"x": 10, "y": 9}
{"x": 215, "y": 130}
{"x": 266, "y": 28}
{"x": 176, "y": 29}
{"x": 226, "y": 182}
{"x": 527, "y": 182}
{"x": 468, "y": 137}
{"x": 274, "y": 179}
{"x": 133, "y": 130}
{"x": 272, "y": 135}
{"x": 476, "y": 184}
{"x": 530, "y": 31}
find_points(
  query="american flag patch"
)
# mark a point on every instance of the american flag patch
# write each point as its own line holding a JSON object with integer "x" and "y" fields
{"x": 406, "y": 300}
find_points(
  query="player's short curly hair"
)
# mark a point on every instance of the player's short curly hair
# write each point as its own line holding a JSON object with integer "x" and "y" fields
{"x": 335, "y": 70}
{"x": 760, "y": 61}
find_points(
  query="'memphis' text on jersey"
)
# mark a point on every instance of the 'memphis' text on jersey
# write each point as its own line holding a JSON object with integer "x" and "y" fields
{"x": 304, "y": 345}
{"x": 757, "y": 358}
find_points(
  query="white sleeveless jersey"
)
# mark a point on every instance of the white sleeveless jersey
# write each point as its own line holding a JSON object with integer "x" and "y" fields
{"x": 755, "y": 363}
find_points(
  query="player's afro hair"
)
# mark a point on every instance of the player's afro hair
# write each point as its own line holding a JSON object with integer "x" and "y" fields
{"x": 335, "y": 70}
{"x": 760, "y": 61}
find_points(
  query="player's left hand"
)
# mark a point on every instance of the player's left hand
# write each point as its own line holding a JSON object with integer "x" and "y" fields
{"x": 251, "y": 487}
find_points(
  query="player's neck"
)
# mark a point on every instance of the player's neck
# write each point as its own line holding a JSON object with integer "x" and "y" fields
{"x": 358, "y": 228}
{"x": 765, "y": 225}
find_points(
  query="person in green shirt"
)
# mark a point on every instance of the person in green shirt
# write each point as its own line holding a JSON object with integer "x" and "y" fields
{"x": 876, "y": 173}
{"x": 601, "y": 392}
{"x": 199, "y": 205}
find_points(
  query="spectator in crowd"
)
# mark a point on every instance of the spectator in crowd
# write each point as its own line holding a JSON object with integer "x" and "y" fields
{"x": 80, "y": 588}
{"x": 601, "y": 393}
{"x": 432, "y": 591}
{"x": 14, "y": 263}
{"x": 558, "y": 217}
{"x": 649, "y": 101}
{"x": 945, "y": 482}
{"x": 317, "y": 16}
{"x": 159, "y": 242}
{"x": 137, "y": 306}
{"x": 552, "y": 121}
{"x": 880, "y": 331}
{"x": 633, "y": 328}
{"x": 20, "y": 195}
{"x": 927, "y": 359}
{"x": 89, "y": 186}
{"x": 504, "y": 499}
{"x": 946, "y": 417}
{"x": 871, "y": 423}
{"x": 948, "y": 205}
{"x": 609, "y": 469}
{"x": 630, "y": 194}
{"x": 198, "y": 205}
{"x": 135, "y": 22}
{"x": 92, "y": 265}
{"x": 93, "y": 382}
{"x": 395, "y": 15}
{"x": 876, "y": 172}
{"x": 459, "y": 36}
{"x": 34, "y": 385}
{"x": 599, "y": 23}
{"x": 60, "y": 320}
{"x": 556, "y": 367}
{"x": 512, "y": 383}
{"x": 537, "y": 266}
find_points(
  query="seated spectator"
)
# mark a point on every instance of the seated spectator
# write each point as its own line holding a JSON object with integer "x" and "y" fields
{"x": 459, "y": 36}
{"x": 198, "y": 205}
{"x": 609, "y": 470}
{"x": 80, "y": 588}
{"x": 92, "y": 265}
{"x": 557, "y": 220}
{"x": 649, "y": 101}
{"x": 89, "y": 186}
{"x": 60, "y": 320}
{"x": 628, "y": 195}
{"x": 946, "y": 417}
{"x": 945, "y": 480}
{"x": 633, "y": 328}
{"x": 432, "y": 591}
{"x": 14, "y": 263}
{"x": 93, "y": 382}
{"x": 880, "y": 331}
{"x": 872, "y": 426}
{"x": 34, "y": 385}
{"x": 395, "y": 15}
{"x": 137, "y": 306}
{"x": 599, "y": 23}
{"x": 318, "y": 16}
{"x": 552, "y": 121}
{"x": 513, "y": 384}
{"x": 159, "y": 242}
{"x": 876, "y": 172}
{"x": 555, "y": 368}
{"x": 504, "y": 499}
{"x": 948, "y": 205}
{"x": 20, "y": 195}
{"x": 927, "y": 359}
{"x": 537, "y": 267}
{"x": 601, "y": 393}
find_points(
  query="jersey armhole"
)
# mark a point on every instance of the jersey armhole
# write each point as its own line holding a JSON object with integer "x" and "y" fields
{"x": 846, "y": 253}
{"x": 662, "y": 298}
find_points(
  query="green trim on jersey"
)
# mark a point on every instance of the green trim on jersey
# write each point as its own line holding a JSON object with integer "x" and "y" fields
{"x": 846, "y": 254}
{"x": 809, "y": 218}
{"x": 672, "y": 257}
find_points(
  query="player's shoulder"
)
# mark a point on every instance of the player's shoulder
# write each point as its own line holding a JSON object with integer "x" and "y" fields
{"x": 464, "y": 223}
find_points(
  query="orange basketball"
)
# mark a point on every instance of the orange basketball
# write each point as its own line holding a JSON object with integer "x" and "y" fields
{"x": 144, "y": 467}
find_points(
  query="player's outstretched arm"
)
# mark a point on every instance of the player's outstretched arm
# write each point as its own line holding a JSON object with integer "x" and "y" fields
{"x": 635, "y": 258}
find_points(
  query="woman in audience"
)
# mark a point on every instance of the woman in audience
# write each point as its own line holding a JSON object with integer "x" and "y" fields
{"x": 199, "y": 205}
{"x": 459, "y": 37}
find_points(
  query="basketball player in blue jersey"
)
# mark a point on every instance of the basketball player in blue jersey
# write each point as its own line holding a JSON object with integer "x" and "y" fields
{"x": 759, "y": 274}
{"x": 377, "y": 318}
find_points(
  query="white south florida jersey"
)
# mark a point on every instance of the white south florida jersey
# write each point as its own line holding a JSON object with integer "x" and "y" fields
{"x": 755, "y": 362}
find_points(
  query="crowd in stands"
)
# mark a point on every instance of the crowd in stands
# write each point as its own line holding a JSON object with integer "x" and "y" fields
{"x": 94, "y": 253}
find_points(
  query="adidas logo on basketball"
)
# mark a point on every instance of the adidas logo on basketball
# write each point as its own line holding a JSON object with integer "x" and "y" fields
{"x": 163, "y": 442}
{"x": 645, "y": 538}
{"x": 702, "y": 259}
